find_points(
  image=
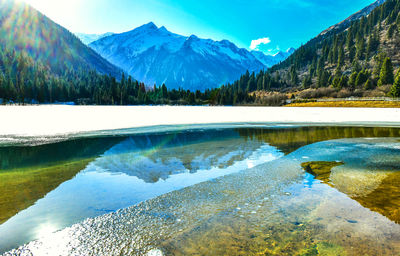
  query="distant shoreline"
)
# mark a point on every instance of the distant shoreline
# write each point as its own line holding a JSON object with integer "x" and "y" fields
{"x": 52, "y": 120}
{"x": 347, "y": 104}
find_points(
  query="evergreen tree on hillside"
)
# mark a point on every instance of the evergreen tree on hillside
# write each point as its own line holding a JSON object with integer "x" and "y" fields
{"x": 294, "y": 79}
{"x": 340, "y": 58}
{"x": 368, "y": 85}
{"x": 373, "y": 44}
{"x": 391, "y": 31}
{"x": 360, "y": 47}
{"x": 306, "y": 82}
{"x": 352, "y": 80}
{"x": 362, "y": 77}
{"x": 323, "y": 79}
{"x": 386, "y": 74}
{"x": 395, "y": 90}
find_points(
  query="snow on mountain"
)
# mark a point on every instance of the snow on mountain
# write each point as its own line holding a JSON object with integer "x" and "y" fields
{"x": 156, "y": 56}
{"x": 89, "y": 38}
{"x": 271, "y": 60}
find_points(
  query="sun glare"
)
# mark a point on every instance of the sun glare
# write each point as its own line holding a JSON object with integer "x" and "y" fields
{"x": 53, "y": 8}
{"x": 45, "y": 230}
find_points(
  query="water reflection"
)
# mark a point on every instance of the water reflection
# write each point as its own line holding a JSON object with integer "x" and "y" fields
{"x": 151, "y": 158}
{"x": 370, "y": 174}
{"x": 70, "y": 181}
{"x": 131, "y": 170}
{"x": 273, "y": 209}
{"x": 350, "y": 209}
{"x": 290, "y": 139}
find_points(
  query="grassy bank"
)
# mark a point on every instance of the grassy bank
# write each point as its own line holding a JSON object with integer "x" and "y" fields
{"x": 348, "y": 104}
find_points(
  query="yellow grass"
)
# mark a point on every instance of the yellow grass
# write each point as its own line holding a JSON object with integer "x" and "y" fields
{"x": 348, "y": 104}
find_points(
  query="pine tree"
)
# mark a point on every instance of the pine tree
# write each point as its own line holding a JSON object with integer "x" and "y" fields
{"x": 391, "y": 31}
{"x": 360, "y": 48}
{"x": 313, "y": 67}
{"x": 379, "y": 59}
{"x": 251, "y": 84}
{"x": 323, "y": 79}
{"x": 398, "y": 22}
{"x": 340, "y": 58}
{"x": 395, "y": 90}
{"x": 306, "y": 82}
{"x": 352, "y": 80}
{"x": 362, "y": 77}
{"x": 386, "y": 74}
{"x": 294, "y": 79}
{"x": 336, "y": 81}
{"x": 343, "y": 82}
{"x": 373, "y": 44}
{"x": 260, "y": 83}
{"x": 349, "y": 39}
{"x": 368, "y": 85}
{"x": 355, "y": 66}
{"x": 352, "y": 53}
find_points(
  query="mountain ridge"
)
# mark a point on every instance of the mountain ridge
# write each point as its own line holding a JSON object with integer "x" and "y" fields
{"x": 23, "y": 28}
{"x": 271, "y": 60}
{"x": 155, "y": 55}
{"x": 356, "y": 16}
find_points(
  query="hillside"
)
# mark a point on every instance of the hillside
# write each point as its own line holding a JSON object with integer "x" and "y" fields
{"x": 157, "y": 56}
{"x": 42, "y": 62}
{"x": 22, "y": 28}
{"x": 357, "y": 57}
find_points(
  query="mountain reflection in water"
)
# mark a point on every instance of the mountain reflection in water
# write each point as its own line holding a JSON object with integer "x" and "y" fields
{"x": 66, "y": 182}
{"x": 48, "y": 187}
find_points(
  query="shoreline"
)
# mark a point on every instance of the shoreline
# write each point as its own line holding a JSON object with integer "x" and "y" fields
{"x": 53, "y": 120}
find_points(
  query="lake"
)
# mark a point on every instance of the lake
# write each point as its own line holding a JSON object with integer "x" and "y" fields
{"x": 237, "y": 190}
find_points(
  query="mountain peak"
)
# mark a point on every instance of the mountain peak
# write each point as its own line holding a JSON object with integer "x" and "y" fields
{"x": 157, "y": 57}
{"x": 163, "y": 29}
{"x": 148, "y": 26}
{"x": 192, "y": 38}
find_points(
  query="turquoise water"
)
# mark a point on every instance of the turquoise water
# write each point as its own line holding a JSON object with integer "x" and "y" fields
{"x": 120, "y": 172}
{"x": 236, "y": 191}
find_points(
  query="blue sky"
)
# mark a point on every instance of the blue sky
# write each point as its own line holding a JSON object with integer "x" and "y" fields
{"x": 280, "y": 24}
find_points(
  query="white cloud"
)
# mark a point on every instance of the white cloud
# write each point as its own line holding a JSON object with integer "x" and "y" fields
{"x": 255, "y": 43}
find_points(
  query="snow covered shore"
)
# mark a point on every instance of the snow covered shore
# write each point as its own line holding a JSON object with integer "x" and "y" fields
{"x": 49, "y": 120}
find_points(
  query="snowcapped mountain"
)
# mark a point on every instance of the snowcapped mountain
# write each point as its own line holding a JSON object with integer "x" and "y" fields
{"x": 271, "y": 60}
{"x": 156, "y": 56}
{"x": 89, "y": 38}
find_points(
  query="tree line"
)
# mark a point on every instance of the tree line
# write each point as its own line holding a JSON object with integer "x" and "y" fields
{"x": 23, "y": 80}
{"x": 357, "y": 57}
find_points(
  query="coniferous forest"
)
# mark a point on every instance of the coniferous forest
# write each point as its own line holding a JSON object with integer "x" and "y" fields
{"x": 357, "y": 60}
{"x": 360, "y": 59}
{"x": 22, "y": 80}
{"x": 42, "y": 62}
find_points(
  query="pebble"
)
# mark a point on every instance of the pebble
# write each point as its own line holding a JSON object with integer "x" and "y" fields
{"x": 155, "y": 252}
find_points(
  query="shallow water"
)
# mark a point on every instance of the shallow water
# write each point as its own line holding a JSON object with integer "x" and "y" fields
{"x": 219, "y": 192}
{"x": 49, "y": 187}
